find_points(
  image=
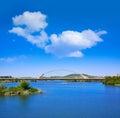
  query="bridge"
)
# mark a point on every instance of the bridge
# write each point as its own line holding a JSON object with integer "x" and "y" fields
{"x": 74, "y": 75}
{"x": 42, "y": 76}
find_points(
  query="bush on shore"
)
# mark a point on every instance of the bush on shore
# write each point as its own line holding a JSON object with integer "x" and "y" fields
{"x": 112, "y": 80}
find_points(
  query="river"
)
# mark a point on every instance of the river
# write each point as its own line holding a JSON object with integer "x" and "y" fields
{"x": 64, "y": 100}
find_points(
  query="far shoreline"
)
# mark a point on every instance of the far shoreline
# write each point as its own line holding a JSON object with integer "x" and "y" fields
{"x": 107, "y": 80}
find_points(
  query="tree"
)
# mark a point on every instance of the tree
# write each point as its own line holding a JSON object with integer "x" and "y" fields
{"x": 24, "y": 85}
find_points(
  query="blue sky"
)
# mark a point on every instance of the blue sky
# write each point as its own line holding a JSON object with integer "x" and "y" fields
{"x": 80, "y": 35}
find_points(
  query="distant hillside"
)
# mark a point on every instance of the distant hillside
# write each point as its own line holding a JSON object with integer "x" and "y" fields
{"x": 76, "y": 76}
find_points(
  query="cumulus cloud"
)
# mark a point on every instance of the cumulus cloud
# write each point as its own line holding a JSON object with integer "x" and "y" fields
{"x": 71, "y": 43}
{"x": 29, "y": 23}
{"x": 31, "y": 26}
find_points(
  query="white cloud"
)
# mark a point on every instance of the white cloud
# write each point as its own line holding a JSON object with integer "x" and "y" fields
{"x": 71, "y": 43}
{"x": 8, "y": 59}
{"x": 12, "y": 59}
{"x": 34, "y": 21}
{"x": 101, "y": 32}
{"x": 75, "y": 54}
{"x": 29, "y": 23}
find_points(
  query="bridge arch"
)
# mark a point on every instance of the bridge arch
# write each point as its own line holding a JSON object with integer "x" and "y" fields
{"x": 55, "y": 70}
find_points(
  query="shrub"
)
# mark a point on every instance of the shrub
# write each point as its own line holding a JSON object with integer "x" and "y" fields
{"x": 33, "y": 90}
{"x": 112, "y": 80}
{"x": 2, "y": 86}
{"x": 2, "y": 89}
{"x": 24, "y": 85}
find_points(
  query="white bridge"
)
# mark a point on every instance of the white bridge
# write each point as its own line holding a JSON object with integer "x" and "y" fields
{"x": 67, "y": 70}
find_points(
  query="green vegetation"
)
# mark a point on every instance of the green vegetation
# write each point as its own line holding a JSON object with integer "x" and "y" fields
{"x": 2, "y": 89}
{"x": 112, "y": 80}
{"x": 23, "y": 88}
{"x": 24, "y": 85}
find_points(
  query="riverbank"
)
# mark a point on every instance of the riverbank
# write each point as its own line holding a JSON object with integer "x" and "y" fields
{"x": 112, "y": 80}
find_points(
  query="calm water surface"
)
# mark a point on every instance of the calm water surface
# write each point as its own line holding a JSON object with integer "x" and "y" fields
{"x": 71, "y": 100}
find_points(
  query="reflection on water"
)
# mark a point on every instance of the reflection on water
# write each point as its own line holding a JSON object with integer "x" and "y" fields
{"x": 24, "y": 100}
{"x": 64, "y": 100}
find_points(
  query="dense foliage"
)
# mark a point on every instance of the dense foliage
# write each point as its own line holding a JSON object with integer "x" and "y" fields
{"x": 112, "y": 80}
{"x": 24, "y": 85}
{"x": 23, "y": 88}
{"x": 2, "y": 89}
{"x": 2, "y": 86}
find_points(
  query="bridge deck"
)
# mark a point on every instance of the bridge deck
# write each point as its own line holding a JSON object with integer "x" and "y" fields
{"x": 51, "y": 79}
